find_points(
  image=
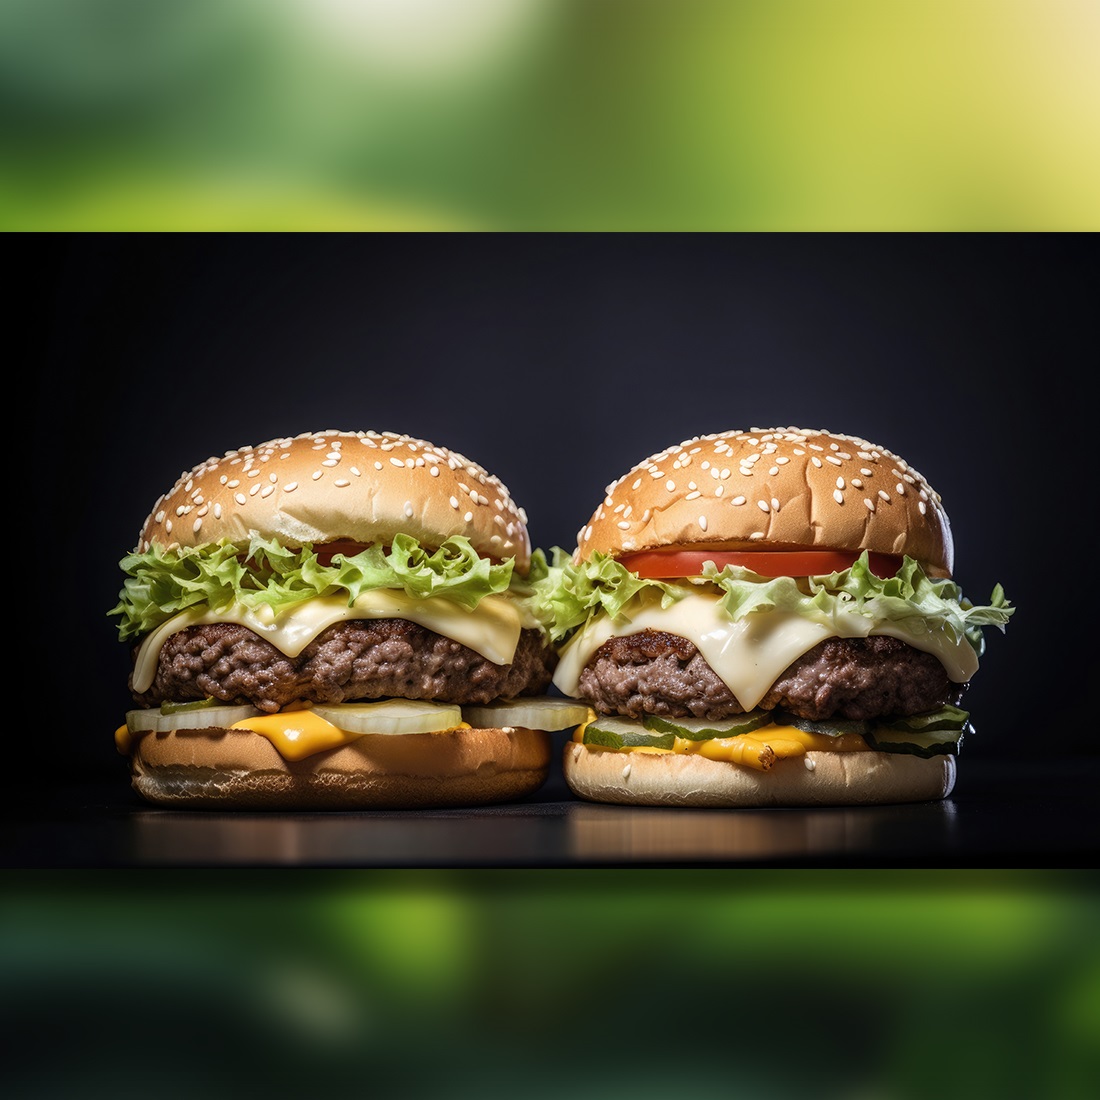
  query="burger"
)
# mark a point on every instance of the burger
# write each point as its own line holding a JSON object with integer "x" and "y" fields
{"x": 337, "y": 620}
{"x": 766, "y": 618}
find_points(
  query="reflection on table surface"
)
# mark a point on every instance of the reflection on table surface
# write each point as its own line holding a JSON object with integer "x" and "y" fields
{"x": 565, "y": 833}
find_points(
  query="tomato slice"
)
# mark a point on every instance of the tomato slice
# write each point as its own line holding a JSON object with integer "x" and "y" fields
{"x": 658, "y": 564}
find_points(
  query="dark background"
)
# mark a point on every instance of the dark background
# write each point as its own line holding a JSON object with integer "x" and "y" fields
{"x": 558, "y": 362}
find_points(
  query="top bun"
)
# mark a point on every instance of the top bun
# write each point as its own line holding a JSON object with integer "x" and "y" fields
{"x": 324, "y": 486}
{"x": 773, "y": 488}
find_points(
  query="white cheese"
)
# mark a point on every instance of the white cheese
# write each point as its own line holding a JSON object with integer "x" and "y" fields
{"x": 748, "y": 655}
{"x": 491, "y": 629}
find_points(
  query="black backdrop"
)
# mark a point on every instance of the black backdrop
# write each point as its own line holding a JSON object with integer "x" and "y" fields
{"x": 558, "y": 362}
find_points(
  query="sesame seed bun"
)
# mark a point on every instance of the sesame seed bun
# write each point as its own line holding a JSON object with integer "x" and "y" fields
{"x": 236, "y": 769}
{"x": 773, "y": 488}
{"x": 326, "y": 486}
{"x": 335, "y": 487}
{"x": 815, "y": 779}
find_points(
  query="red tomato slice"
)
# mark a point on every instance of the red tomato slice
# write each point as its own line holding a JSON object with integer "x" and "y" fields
{"x": 657, "y": 564}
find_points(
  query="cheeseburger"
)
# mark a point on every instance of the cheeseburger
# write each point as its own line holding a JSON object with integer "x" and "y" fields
{"x": 767, "y": 618}
{"x": 337, "y": 620}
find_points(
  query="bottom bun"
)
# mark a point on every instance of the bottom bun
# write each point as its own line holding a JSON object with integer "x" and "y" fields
{"x": 237, "y": 769}
{"x": 814, "y": 779}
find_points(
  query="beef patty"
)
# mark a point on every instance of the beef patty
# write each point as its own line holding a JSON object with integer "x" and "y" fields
{"x": 654, "y": 672}
{"x": 355, "y": 659}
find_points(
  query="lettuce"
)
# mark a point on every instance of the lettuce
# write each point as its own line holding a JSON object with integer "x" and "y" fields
{"x": 161, "y": 583}
{"x": 570, "y": 593}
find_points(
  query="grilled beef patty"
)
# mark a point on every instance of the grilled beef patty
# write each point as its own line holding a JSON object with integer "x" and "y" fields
{"x": 654, "y": 672}
{"x": 356, "y": 659}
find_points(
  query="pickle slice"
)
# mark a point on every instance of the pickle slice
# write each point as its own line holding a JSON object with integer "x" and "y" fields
{"x": 702, "y": 729}
{"x": 622, "y": 733}
{"x": 939, "y": 743}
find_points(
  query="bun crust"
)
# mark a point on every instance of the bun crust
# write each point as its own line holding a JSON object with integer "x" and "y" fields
{"x": 236, "y": 769}
{"x": 773, "y": 488}
{"x": 323, "y": 486}
{"x": 836, "y": 779}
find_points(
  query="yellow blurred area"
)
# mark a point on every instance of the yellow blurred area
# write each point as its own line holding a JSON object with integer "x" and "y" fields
{"x": 585, "y": 983}
{"x": 579, "y": 114}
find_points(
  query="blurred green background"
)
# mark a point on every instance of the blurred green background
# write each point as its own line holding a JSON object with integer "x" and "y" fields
{"x": 549, "y": 114}
{"x": 858, "y": 986}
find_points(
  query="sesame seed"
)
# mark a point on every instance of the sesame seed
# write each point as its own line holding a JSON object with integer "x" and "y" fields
{"x": 399, "y": 463}
{"x": 408, "y": 509}
{"x": 240, "y": 498}
{"x": 838, "y": 496}
{"x": 342, "y": 482}
{"x": 870, "y": 503}
{"x": 434, "y": 471}
{"x": 702, "y": 523}
{"x": 267, "y": 490}
{"x": 670, "y": 485}
{"x": 468, "y": 516}
{"x": 762, "y": 505}
{"x": 738, "y": 500}
{"x": 454, "y": 503}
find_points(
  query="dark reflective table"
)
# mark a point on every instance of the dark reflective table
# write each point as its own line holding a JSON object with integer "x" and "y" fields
{"x": 1001, "y": 814}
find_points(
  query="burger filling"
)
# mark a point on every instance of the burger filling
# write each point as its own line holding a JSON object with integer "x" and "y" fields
{"x": 714, "y": 662}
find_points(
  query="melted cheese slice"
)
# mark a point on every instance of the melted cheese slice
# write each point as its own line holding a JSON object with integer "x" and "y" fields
{"x": 748, "y": 655}
{"x": 491, "y": 629}
{"x": 759, "y": 749}
{"x": 296, "y": 734}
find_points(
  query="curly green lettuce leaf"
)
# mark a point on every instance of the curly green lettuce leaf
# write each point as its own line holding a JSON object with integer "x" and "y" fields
{"x": 161, "y": 583}
{"x": 573, "y": 592}
{"x": 910, "y": 598}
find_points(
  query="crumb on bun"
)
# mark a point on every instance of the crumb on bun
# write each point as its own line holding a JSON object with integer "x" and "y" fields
{"x": 774, "y": 488}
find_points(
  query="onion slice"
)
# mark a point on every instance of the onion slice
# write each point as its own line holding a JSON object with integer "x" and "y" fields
{"x": 392, "y": 716}
{"x": 201, "y": 718}
{"x": 540, "y": 712}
